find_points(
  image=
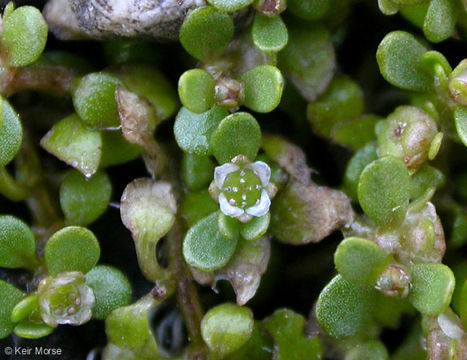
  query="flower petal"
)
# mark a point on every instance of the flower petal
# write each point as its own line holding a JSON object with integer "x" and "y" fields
{"x": 228, "y": 209}
{"x": 262, "y": 170}
{"x": 221, "y": 172}
{"x": 262, "y": 207}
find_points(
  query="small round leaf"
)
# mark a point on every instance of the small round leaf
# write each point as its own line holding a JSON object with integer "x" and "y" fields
{"x": 197, "y": 171}
{"x": 343, "y": 308}
{"x": 460, "y": 119}
{"x": 226, "y": 328}
{"x": 360, "y": 261}
{"x": 230, "y": 5}
{"x": 196, "y": 90}
{"x": 205, "y": 248}
{"x": 432, "y": 288}
{"x": 440, "y": 20}
{"x": 384, "y": 191}
{"x": 399, "y": 57}
{"x": 111, "y": 290}
{"x": 263, "y": 88}
{"x": 238, "y": 133}
{"x": 355, "y": 166}
{"x": 11, "y": 133}
{"x": 84, "y": 200}
{"x": 9, "y": 297}
{"x": 70, "y": 141}
{"x": 206, "y": 32}
{"x": 72, "y": 248}
{"x": 255, "y": 228}
{"x": 24, "y": 36}
{"x": 94, "y": 100}
{"x": 17, "y": 244}
{"x": 193, "y": 132}
{"x": 269, "y": 34}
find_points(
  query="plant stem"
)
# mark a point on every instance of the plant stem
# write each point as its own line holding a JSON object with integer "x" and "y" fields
{"x": 10, "y": 188}
{"x": 185, "y": 290}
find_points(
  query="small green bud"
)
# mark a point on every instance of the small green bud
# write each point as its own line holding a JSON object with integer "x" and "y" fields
{"x": 407, "y": 134}
{"x": 229, "y": 93}
{"x": 226, "y": 328}
{"x": 458, "y": 83}
{"x": 394, "y": 282}
{"x": 65, "y": 299}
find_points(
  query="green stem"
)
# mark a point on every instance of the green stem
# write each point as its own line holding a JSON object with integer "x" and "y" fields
{"x": 185, "y": 289}
{"x": 10, "y": 188}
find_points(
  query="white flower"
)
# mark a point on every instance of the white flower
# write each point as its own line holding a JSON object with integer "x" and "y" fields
{"x": 244, "y": 188}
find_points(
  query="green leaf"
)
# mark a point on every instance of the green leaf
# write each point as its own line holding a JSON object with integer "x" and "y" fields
{"x": 344, "y": 309}
{"x": 194, "y": 132}
{"x": 29, "y": 329}
{"x": 148, "y": 209}
{"x": 198, "y": 37}
{"x": 226, "y": 327}
{"x": 255, "y": 228}
{"x": 205, "y": 248}
{"x": 24, "y": 34}
{"x": 230, "y": 5}
{"x": 228, "y": 227}
{"x": 238, "y": 133}
{"x": 343, "y": 100}
{"x": 70, "y": 141}
{"x": 111, "y": 290}
{"x": 17, "y": 244}
{"x": 24, "y": 308}
{"x": 288, "y": 331}
{"x": 308, "y": 60}
{"x": 129, "y": 328}
{"x": 399, "y": 57}
{"x": 11, "y": 133}
{"x": 72, "y": 248}
{"x": 384, "y": 191}
{"x": 460, "y": 119}
{"x": 9, "y": 297}
{"x": 148, "y": 82}
{"x": 427, "y": 176}
{"x": 440, "y": 20}
{"x": 198, "y": 205}
{"x": 309, "y": 9}
{"x": 258, "y": 347}
{"x": 84, "y": 200}
{"x": 196, "y": 90}
{"x": 269, "y": 34}
{"x": 355, "y": 133}
{"x": 360, "y": 261}
{"x": 432, "y": 288}
{"x": 263, "y": 88}
{"x": 388, "y": 7}
{"x": 116, "y": 150}
{"x": 371, "y": 350}
{"x": 94, "y": 100}
{"x": 197, "y": 171}
{"x": 355, "y": 166}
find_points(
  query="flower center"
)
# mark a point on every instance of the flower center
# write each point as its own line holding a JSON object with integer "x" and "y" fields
{"x": 242, "y": 188}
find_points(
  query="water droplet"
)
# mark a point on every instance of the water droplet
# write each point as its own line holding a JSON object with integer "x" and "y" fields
{"x": 242, "y": 173}
{"x": 243, "y": 196}
{"x": 242, "y": 181}
{"x": 243, "y": 204}
{"x": 232, "y": 202}
{"x": 235, "y": 189}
